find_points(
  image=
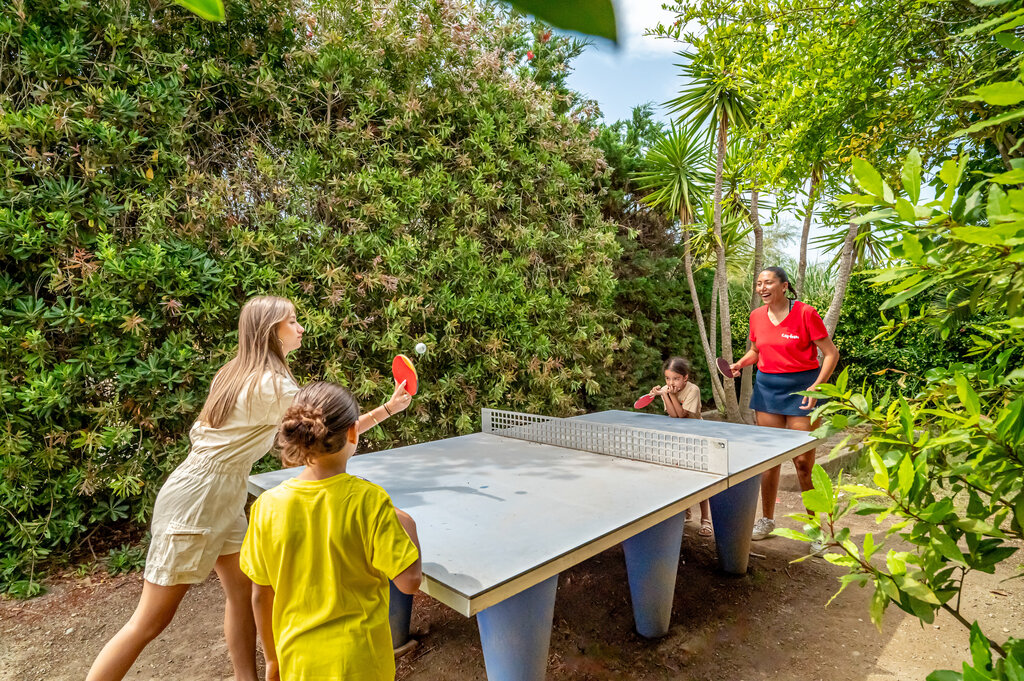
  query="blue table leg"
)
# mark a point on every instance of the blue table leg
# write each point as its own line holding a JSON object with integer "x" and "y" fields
{"x": 732, "y": 511}
{"x": 399, "y": 616}
{"x": 516, "y": 633}
{"x": 652, "y": 561}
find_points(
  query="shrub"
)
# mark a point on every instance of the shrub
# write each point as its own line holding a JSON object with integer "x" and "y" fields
{"x": 396, "y": 171}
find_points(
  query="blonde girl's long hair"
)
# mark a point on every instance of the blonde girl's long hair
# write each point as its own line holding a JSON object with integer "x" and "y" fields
{"x": 259, "y": 351}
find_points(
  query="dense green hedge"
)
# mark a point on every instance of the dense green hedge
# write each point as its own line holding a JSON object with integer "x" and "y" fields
{"x": 898, "y": 364}
{"x": 396, "y": 172}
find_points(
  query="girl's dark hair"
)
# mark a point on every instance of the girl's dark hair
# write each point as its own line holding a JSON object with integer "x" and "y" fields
{"x": 781, "y": 275}
{"x": 317, "y": 422}
{"x": 680, "y": 365}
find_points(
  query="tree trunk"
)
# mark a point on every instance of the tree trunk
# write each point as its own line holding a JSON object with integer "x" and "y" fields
{"x": 732, "y": 409}
{"x": 846, "y": 259}
{"x": 747, "y": 380}
{"x": 713, "y": 321}
{"x": 802, "y": 270}
{"x": 709, "y": 356}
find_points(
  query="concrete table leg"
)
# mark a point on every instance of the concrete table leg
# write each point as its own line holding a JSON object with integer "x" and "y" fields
{"x": 399, "y": 616}
{"x": 516, "y": 633}
{"x": 732, "y": 511}
{"x": 652, "y": 561}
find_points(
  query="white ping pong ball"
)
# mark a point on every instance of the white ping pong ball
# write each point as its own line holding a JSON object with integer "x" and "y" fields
{"x": 420, "y": 348}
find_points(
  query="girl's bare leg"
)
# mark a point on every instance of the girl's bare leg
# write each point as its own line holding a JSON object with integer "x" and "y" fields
{"x": 154, "y": 612}
{"x": 239, "y": 624}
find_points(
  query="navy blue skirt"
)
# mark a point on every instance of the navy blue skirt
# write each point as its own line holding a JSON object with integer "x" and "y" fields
{"x": 773, "y": 393}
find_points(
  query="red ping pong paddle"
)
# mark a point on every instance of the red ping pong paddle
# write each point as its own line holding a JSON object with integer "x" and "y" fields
{"x": 643, "y": 401}
{"x": 724, "y": 368}
{"x": 403, "y": 370}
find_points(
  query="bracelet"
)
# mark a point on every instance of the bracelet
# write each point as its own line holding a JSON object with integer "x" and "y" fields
{"x": 385, "y": 405}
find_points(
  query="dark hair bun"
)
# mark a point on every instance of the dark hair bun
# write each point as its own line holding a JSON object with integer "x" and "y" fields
{"x": 317, "y": 423}
{"x": 303, "y": 427}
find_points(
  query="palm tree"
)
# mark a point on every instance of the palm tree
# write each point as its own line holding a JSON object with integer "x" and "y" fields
{"x": 735, "y": 241}
{"x": 677, "y": 175}
{"x": 816, "y": 172}
{"x": 716, "y": 95}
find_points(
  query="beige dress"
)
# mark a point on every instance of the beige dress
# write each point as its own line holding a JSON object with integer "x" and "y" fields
{"x": 199, "y": 513}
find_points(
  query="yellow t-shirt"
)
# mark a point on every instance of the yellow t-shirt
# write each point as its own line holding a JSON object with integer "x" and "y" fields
{"x": 328, "y": 548}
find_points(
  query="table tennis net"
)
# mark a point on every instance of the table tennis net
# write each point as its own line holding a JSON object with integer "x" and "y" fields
{"x": 694, "y": 452}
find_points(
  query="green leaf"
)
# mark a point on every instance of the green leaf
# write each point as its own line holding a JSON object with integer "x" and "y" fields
{"x": 869, "y": 545}
{"x": 896, "y": 562}
{"x": 997, "y": 202}
{"x": 873, "y": 215}
{"x": 881, "y": 478}
{"x": 906, "y": 210}
{"x": 944, "y": 675}
{"x": 950, "y": 173}
{"x": 978, "y": 28}
{"x": 901, "y": 298}
{"x": 905, "y": 475}
{"x": 916, "y": 589}
{"x": 1006, "y": 93}
{"x": 790, "y": 534}
{"x": 911, "y": 176}
{"x": 868, "y": 178}
{"x": 817, "y": 502}
{"x": 211, "y": 10}
{"x": 967, "y": 396}
{"x": 972, "y": 674}
{"x": 1015, "y": 176}
{"x": 977, "y": 526}
{"x": 1010, "y": 41}
{"x": 592, "y": 17}
{"x": 945, "y": 546}
{"x": 878, "y": 602}
{"x": 981, "y": 652}
{"x": 1010, "y": 422}
{"x": 861, "y": 491}
{"x": 821, "y": 481}
{"x": 989, "y": 122}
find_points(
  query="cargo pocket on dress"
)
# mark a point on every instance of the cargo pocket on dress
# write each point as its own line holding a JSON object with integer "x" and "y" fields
{"x": 185, "y": 544}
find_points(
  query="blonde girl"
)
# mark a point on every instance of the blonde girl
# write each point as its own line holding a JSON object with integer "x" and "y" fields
{"x": 198, "y": 520}
{"x": 682, "y": 400}
{"x": 321, "y": 548}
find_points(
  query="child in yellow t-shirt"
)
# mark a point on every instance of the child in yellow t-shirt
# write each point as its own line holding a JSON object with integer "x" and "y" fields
{"x": 682, "y": 400}
{"x": 321, "y": 549}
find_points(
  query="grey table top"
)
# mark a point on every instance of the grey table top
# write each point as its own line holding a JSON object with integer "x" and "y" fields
{"x": 497, "y": 515}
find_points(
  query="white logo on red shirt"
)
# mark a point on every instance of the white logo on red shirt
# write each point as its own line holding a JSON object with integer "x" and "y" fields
{"x": 790, "y": 336}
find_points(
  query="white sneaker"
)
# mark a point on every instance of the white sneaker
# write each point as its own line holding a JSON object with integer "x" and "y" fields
{"x": 763, "y": 529}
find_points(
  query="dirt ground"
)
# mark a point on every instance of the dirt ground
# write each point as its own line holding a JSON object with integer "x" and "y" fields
{"x": 770, "y": 624}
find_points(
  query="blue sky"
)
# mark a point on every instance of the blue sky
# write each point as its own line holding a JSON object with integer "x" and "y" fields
{"x": 641, "y": 70}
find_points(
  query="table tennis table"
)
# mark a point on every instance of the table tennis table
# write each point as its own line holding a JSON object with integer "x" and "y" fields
{"x": 502, "y": 512}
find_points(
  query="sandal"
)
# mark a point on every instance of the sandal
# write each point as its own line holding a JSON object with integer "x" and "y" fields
{"x": 689, "y": 515}
{"x": 705, "y": 528}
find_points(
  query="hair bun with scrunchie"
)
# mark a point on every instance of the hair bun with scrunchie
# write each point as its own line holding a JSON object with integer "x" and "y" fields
{"x": 303, "y": 427}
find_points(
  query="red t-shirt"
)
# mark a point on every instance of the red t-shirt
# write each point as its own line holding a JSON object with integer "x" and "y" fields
{"x": 788, "y": 347}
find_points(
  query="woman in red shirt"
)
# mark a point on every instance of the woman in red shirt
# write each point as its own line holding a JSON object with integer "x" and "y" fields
{"x": 785, "y": 337}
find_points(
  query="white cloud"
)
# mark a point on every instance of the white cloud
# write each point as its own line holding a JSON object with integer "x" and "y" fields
{"x": 637, "y": 16}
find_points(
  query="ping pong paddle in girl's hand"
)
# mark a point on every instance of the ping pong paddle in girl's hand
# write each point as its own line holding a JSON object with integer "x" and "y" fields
{"x": 403, "y": 370}
{"x": 724, "y": 368}
{"x": 643, "y": 401}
